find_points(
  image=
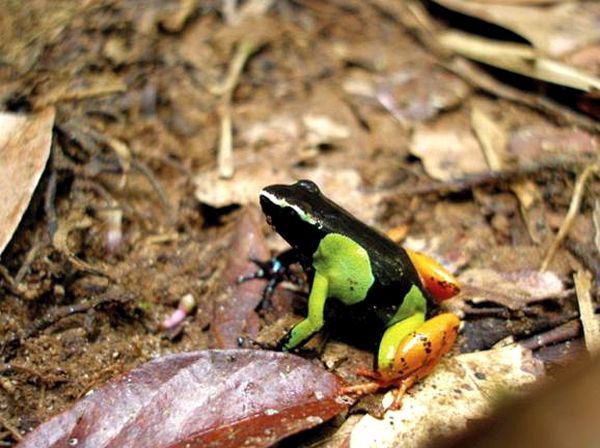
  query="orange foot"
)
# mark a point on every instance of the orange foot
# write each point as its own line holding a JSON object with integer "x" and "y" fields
{"x": 416, "y": 356}
{"x": 380, "y": 382}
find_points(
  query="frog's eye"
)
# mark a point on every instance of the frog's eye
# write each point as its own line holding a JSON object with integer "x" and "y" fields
{"x": 308, "y": 185}
{"x": 290, "y": 213}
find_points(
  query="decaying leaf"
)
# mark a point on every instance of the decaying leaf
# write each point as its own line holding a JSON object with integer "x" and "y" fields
{"x": 420, "y": 93}
{"x": 211, "y": 189}
{"x": 448, "y": 150}
{"x": 494, "y": 142}
{"x": 459, "y": 390}
{"x": 535, "y": 142}
{"x": 24, "y": 149}
{"x": 233, "y": 312}
{"x": 553, "y": 30}
{"x": 219, "y": 398}
{"x": 511, "y": 289}
{"x": 518, "y": 58}
{"x": 323, "y": 129}
{"x": 342, "y": 185}
{"x": 589, "y": 321}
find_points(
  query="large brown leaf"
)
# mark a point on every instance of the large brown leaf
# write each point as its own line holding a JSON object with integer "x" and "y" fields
{"x": 213, "y": 398}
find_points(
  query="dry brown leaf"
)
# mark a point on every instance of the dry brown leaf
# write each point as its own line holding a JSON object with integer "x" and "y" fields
{"x": 534, "y": 142}
{"x": 591, "y": 327}
{"x": 491, "y": 136}
{"x": 460, "y": 389}
{"x": 511, "y": 289}
{"x": 420, "y": 93}
{"x": 554, "y": 30}
{"x": 448, "y": 150}
{"x": 24, "y": 149}
{"x": 253, "y": 174}
{"x": 518, "y": 58}
{"x": 494, "y": 142}
{"x": 323, "y": 129}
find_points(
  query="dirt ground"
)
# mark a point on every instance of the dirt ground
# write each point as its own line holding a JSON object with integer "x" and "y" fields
{"x": 170, "y": 117}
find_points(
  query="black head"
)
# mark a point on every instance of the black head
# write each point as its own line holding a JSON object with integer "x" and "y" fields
{"x": 292, "y": 210}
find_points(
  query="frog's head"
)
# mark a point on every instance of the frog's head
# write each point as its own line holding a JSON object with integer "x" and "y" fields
{"x": 291, "y": 211}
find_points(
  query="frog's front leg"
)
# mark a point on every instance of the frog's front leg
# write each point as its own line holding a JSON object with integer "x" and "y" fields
{"x": 417, "y": 347}
{"x": 342, "y": 270}
{"x": 275, "y": 270}
{"x": 315, "y": 319}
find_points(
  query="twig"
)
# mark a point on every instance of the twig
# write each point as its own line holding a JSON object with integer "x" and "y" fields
{"x": 154, "y": 182}
{"x": 14, "y": 432}
{"x": 76, "y": 221}
{"x": 591, "y": 327}
{"x": 34, "y": 375}
{"x": 67, "y": 92}
{"x": 225, "y": 90}
{"x": 12, "y": 342}
{"x": 9, "y": 280}
{"x": 568, "y": 330}
{"x": 31, "y": 254}
{"x": 50, "y": 194}
{"x": 242, "y": 53}
{"x": 229, "y": 11}
{"x": 571, "y": 214}
{"x": 586, "y": 253}
{"x": 489, "y": 178}
{"x": 479, "y": 78}
{"x": 596, "y": 221}
{"x": 225, "y": 152}
{"x": 89, "y": 184}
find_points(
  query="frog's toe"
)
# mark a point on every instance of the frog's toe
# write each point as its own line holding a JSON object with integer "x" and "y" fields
{"x": 402, "y": 386}
{"x": 361, "y": 389}
{"x": 368, "y": 373}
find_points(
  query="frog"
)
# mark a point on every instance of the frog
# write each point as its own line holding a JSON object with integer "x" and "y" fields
{"x": 355, "y": 265}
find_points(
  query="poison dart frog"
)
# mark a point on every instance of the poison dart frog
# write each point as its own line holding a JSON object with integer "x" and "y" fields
{"x": 370, "y": 275}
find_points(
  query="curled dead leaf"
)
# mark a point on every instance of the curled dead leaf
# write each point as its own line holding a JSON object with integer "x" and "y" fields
{"x": 24, "y": 149}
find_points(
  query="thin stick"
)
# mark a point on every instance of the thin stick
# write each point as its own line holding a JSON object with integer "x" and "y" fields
{"x": 156, "y": 185}
{"x": 14, "y": 432}
{"x": 243, "y": 51}
{"x": 591, "y": 327}
{"x": 225, "y": 152}
{"x": 488, "y": 178}
{"x": 571, "y": 214}
{"x": 29, "y": 258}
{"x": 596, "y": 221}
{"x": 50, "y": 194}
{"x": 225, "y": 91}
